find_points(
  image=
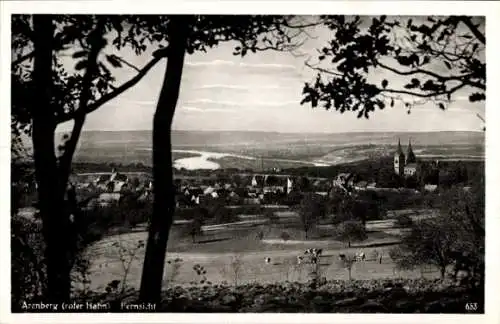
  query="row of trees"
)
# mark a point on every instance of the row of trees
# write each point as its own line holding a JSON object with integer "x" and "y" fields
{"x": 47, "y": 92}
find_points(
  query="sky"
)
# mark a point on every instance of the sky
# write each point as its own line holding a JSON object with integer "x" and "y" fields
{"x": 261, "y": 92}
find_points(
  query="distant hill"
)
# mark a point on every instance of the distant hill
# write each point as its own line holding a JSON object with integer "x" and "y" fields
{"x": 278, "y": 149}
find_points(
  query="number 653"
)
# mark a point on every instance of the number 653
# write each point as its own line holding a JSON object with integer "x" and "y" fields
{"x": 471, "y": 306}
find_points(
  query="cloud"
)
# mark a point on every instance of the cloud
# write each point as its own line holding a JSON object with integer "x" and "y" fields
{"x": 240, "y": 87}
{"x": 243, "y": 103}
{"x": 243, "y": 65}
{"x": 205, "y": 110}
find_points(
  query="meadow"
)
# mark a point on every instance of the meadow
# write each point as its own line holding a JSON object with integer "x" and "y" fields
{"x": 233, "y": 253}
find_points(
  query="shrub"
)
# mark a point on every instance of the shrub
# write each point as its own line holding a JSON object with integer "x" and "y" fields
{"x": 285, "y": 236}
{"x": 271, "y": 216}
{"x": 28, "y": 269}
{"x": 351, "y": 231}
{"x": 404, "y": 221}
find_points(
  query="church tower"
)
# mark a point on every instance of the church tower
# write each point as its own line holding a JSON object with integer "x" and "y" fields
{"x": 410, "y": 156}
{"x": 399, "y": 160}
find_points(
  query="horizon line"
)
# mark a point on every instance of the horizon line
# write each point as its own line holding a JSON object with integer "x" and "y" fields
{"x": 279, "y": 132}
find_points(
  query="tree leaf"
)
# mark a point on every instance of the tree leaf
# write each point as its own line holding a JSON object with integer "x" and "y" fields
{"x": 79, "y": 54}
{"x": 441, "y": 106}
{"x": 81, "y": 65}
{"x": 385, "y": 83}
{"x": 392, "y": 102}
{"x": 410, "y": 21}
{"x": 114, "y": 61}
{"x": 448, "y": 65}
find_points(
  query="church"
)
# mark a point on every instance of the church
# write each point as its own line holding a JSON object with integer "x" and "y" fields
{"x": 405, "y": 165}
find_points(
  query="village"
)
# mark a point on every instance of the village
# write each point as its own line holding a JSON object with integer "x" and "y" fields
{"x": 235, "y": 187}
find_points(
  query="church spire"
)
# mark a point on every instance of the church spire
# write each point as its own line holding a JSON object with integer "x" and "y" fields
{"x": 410, "y": 156}
{"x": 400, "y": 150}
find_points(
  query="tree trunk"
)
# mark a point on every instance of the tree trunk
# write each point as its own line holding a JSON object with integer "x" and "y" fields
{"x": 442, "y": 271}
{"x": 163, "y": 184}
{"x": 51, "y": 202}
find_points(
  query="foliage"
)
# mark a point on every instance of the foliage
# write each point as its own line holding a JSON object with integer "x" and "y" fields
{"x": 337, "y": 296}
{"x": 28, "y": 268}
{"x": 127, "y": 255}
{"x": 173, "y": 267}
{"x": 271, "y": 216}
{"x": 404, "y": 221}
{"x": 351, "y": 231}
{"x": 311, "y": 209}
{"x": 348, "y": 263}
{"x": 233, "y": 268}
{"x": 293, "y": 198}
{"x": 436, "y": 57}
{"x": 285, "y": 236}
{"x": 201, "y": 273}
{"x": 456, "y": 237}
{"x": 195, "y": 226}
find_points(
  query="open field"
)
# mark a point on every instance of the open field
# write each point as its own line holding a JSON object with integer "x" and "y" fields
{"x": 221, "y": 245}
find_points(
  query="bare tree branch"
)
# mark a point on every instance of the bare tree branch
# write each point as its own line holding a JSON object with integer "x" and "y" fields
{"x": 421, "y": 71}
{"x": 322, "y": 70}
{"x": 425, "y": 95}
{"x": 127, "y": 63}
{"x": 480, "y": 36}
{"x": 98, "y": 44}
{"x": 124, "y": 87}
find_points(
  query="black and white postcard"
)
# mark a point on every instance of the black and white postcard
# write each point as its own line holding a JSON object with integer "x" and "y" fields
{"x": 316, "y": 161}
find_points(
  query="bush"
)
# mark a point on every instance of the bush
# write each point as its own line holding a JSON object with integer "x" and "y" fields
{"x": 404, "y": 221}
{"x": 225, "y": 215}
{"x": 271, "y": 216}
{"x": 351, "y": 231}
{"x": 285, "y": 236}
{"x": 28, "y": 269}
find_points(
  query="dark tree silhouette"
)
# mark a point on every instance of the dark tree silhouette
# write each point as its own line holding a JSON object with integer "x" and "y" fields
{"x": 45, "y": 94}
{"x": 195, "y": 227}
{"x": 187, "y": 34}
{"x": 351, "y": 231}
{"x": 310, "y": 210}
{"x": 435, "y": 57}
{"x": 455, "y": 236}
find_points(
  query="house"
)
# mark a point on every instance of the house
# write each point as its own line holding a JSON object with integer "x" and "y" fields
{"x": 430, "y": 187}
{"x": 209, "y": 190}
{"x": 119, "y": 186}
{"x": 289, "y": 185}
{"x": 344, "y": 181}
{"x": 108, "y": 198}
{"x": 362, "y": 185}
{"x": 410, "y": 170}
{"x": 251, "y": 201}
